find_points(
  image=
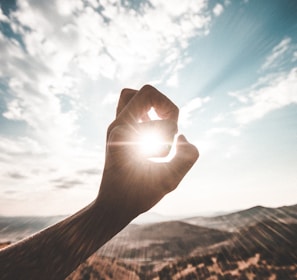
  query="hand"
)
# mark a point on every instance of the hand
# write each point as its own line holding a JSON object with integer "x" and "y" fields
{"x": 131, "y": 182}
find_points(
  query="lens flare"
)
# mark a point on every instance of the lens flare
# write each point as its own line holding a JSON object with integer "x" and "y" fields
{"x": 151, "y": 143}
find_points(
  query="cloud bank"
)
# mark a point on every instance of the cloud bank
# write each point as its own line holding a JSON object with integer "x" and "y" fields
{"x": 52, "y": 52}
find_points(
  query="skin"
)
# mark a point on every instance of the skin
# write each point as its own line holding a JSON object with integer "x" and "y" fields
{"x": 131, "y": 184}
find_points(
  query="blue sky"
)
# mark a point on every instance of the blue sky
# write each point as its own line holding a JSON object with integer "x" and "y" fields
{"x": 230, "y": 66}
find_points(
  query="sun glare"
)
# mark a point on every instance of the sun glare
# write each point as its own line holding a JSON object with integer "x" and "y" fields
{"x": 151, "y": 143}
{"x": 153, "y": 114}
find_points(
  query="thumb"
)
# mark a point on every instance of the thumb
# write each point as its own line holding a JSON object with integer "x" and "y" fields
{"x": 185, "y": 157}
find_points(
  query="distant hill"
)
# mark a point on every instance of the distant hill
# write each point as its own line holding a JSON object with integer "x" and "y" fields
{"x": 266, "y": 250}
{"x": 248, "y": 217}
{"x": 13, "y": 229}
{"x": 161, "y": 240}
{"x": 16, "y": 228}
{"x": 256, "y": 243}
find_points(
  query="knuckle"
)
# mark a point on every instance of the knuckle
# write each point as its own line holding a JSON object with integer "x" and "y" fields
{"x": 176, "y": 109}
{"x": 147, "y": 88}
{"x": 124, "y": 91}
{"x": 110, "y": 128}
{"x": 115, "y": 132}
{"x": 195, "y": 153}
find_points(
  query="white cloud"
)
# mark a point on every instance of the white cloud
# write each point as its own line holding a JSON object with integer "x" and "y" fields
{"x": 273, "y": 90}
{"x": 276, "y": 94}
{"x": 110, "y": 98}
{"x": 187, "y": 110}
{"x": 173, "y": 81}
{"x": 20, "y": 146}
{"x": 277, "y": 53}
{"x": 28, "y": 172}
{"x": 218, "y": 9}
{"x": 294, "y": 56}
{"x": 219, "y": 118}
{"x": 67, "y": 49}
{"x": 223, "y": 130}
{"x": 240, "y": 96}
{"x": 64, "y": 39}
{"x": 3, "y": 17}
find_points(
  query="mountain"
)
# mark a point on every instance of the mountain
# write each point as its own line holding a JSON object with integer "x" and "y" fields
{"x": 161, "y": 241}
{"x": 16, "y": 228}
{"x": 248, "y": 217}
{"x": 101, "y": 268}
{"x": 13, "y": 229}
{"x": 266, "y": 250}
{"x": 274, "y": 240}
{"x": 256, "y": 243}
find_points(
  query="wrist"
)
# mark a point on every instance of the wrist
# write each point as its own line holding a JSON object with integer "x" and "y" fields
{"x": 112, "y": 215}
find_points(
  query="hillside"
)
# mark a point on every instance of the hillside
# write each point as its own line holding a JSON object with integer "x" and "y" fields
{"x": 16, "y": 228}
{"x": 100, "y": 268}
{"x": 267, "y": 250}
{"x": 276, "y": 240}
{"x": 13, "y": 229}
{"x": 162, "y": 240}
{"x": 261, "y": 243}
{"x": 234, "y": 221}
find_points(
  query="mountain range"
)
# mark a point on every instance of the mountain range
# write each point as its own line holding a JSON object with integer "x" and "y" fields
{"x": 256, "y": 243}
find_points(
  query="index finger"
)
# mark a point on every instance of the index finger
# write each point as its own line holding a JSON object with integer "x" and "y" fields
{"x": 126, "y": 95}
{"x": 142, "y": 102}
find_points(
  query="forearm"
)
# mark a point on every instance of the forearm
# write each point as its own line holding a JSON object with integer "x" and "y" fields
{"x": 55, "y": 252}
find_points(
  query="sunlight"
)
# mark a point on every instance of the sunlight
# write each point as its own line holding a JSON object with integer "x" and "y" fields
{"x": 153, "y": 114}
{"x": 151, "y": 143}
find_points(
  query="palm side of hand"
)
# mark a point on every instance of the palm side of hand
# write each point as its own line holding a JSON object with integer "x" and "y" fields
{"x": 130, "y": 181}
{"x": 133, "y": 180}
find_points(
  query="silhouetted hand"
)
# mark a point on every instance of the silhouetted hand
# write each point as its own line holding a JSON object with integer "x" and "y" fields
{"x": 131, "y": 182}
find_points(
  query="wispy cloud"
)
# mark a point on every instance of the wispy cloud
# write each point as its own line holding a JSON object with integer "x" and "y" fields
{"x": 219, "y": 118}
{"x": 223, "y": 130}
{"x": 16, "y": 175}
{"x": 277, "y": 53}
{"x": 294, "y": 56}
{"x": 65, "y": 40}
{"x": 58, "y": 52}
{"x": 90, "y": 171}
{"x": 273, "y": 90}
{"x": 187, "y": 110}
{"x": 277, "y": 94}
{"x": 65, "y": 183}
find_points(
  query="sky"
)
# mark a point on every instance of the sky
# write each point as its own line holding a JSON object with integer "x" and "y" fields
{"x": 230, "y": 66}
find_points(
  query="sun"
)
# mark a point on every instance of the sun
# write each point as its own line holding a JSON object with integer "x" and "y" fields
{"x": 151, "y": 143}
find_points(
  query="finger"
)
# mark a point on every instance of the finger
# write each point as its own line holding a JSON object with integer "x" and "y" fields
{"x": 142, "y": 102}
{"x": 145, "y": 117}
{"x": 126, "y": 95}
{"x": 185, "y": 157}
